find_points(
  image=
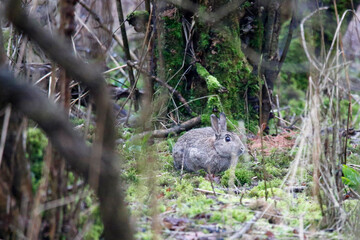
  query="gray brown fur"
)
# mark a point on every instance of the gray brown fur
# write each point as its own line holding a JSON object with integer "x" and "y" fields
{"x": 207, "y": 148}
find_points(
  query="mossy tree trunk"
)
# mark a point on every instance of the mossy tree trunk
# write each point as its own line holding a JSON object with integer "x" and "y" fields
{"x": 204, "y": 58}
{"x": 218, "y": 48}
{"x": 201, "y": 45}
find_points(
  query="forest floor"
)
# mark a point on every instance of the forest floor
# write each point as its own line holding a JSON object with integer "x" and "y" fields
{"x": 268, "y": 195}
{"x": 261, "y": 204}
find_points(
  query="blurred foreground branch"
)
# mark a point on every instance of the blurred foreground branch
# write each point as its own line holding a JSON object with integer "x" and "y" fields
{"x": 71, "y": 146}
{"x": 37, "y": 107}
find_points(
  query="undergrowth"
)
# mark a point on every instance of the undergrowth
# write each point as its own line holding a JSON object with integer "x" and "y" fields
{"x": 186, "y": 203}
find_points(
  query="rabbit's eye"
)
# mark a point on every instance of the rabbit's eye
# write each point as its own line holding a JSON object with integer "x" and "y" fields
{"x": 227, "y": 138}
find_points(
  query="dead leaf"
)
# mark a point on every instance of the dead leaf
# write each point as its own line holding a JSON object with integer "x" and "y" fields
{"x": 284, "y": 140}
{"x": 270, "y": 235}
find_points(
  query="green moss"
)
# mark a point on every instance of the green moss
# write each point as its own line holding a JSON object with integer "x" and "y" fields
{"x": 213, "y": 103}
{"x": 173, "y": 47}
{"x": 240, "y": 216}
{"x": 212, "y": 83}
{"x": 220, "y": 63}
{"x": 137, "y": 14}
{"x": 139, "y": 20}
{"x": 272, "y": 189}
{"x": 205, "y": 120}
{"x": 300, "y": 205}
{"x": 36, "y": 143}
{"x": 275, "y": 171}
{"x": 171, "y": 143}
{"x": 218, "y": 217}
{"x": 271, "y": 192}
{"x": 225, "y": 61}
{"x": 146, "y": 235}
{"x": 96, "y": 229}
{"x": 131, "y": 175}
{"x": 196, "y": 205}
{"x": 185, "y": 188}
{"x": 257, "y": 41}
{"x": 242, "y": 176}
{"x": 276, "y": 164}
{"x": 204, "y": 40}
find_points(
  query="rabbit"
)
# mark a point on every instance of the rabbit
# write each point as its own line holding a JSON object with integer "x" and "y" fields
{"x": 209, "y": 148}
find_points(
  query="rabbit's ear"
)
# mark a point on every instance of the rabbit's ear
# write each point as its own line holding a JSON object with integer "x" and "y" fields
{"x": 215, "y": 125}
{"x": 222, "y": 122}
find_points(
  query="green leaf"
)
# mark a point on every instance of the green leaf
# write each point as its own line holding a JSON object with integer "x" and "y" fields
{"x": 351, "y": 178}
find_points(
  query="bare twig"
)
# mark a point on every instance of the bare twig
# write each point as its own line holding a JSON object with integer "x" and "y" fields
{"x": 349, "y": 117}
{"x": 127, "y": 54}
{"x": 311, "y": 60}
{"x": 102, "y": 26}
{"x": 4, "y": 130}
{"x": 164, "y": 84}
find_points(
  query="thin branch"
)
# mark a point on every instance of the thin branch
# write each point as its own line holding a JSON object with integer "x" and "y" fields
{"x": 127, "y": 53}
{"x": 4, "y": 130}
{"x": 288, "y": 39}
{"x": 98, "y": 20}
{"x": 302, "y": 32}
{"x": 172, "y": 90}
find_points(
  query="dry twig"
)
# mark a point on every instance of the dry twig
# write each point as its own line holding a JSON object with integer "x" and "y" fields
{"x": 172, "y": 90}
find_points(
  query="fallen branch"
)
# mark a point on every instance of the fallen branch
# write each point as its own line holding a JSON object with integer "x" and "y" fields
{"x": 165, "y": 132}
{"x": 172, "y": 90}
{"x": 247, "y": 227}
{"x": 207, "y": 191}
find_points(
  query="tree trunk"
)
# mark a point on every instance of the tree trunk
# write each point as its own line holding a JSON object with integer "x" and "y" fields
{"x": 215, "y": 52}
{"x": 203, "y": 57}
